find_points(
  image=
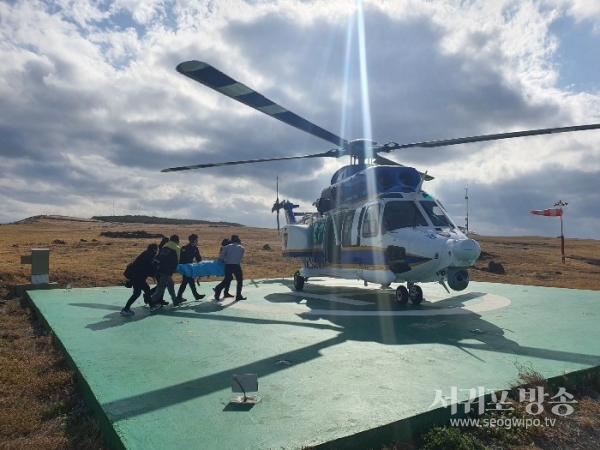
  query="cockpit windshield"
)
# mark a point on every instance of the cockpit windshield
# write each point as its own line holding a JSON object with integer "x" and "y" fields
{"x": 402, "y": 214}
{"x": 436, "y": 214}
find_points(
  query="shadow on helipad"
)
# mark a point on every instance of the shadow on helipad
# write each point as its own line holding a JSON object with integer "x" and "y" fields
{"x": 340, "y": 365}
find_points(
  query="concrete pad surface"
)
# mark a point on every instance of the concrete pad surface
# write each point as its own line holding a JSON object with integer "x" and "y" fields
{"x": 339, "y": 365}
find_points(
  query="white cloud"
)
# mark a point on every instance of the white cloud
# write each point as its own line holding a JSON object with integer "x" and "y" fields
{"x": 91, "y": 107}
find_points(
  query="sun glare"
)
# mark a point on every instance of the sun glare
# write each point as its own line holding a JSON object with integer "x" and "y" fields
{"x": 364, "y": 88}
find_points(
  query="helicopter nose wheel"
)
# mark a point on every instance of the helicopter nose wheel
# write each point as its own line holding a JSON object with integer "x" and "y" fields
{"x": 299, "y": 281}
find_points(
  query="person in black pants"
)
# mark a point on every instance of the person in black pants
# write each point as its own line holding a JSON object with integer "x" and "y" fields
{"x": 224, "y": 243}
{"x": 168, "y": 259}
{"x": 232, "y": 255}
{"x": 156, "y": 273}
{"x": 139, "y": 270}
{"x": 189, "y": 252}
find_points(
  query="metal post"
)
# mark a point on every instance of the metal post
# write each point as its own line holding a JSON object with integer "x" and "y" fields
{"x": 562, "y": 240}
{"x": 560, "y": 204}
{"x": 467, "y": 216}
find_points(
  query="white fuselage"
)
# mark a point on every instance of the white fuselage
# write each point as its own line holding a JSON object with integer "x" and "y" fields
{"x": 404, "y": 237}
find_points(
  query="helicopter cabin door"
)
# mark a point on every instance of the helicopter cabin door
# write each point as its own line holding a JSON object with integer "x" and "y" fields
{"x": 370, "y": 231}
{"x": 332, "y": 239}
{"x": 342, "y": 232}
{"x": 350, "y": 228}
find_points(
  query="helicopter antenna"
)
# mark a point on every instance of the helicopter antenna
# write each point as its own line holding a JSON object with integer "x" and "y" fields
{"x": 467, "y": 216}
{"x": 277, "y": 189}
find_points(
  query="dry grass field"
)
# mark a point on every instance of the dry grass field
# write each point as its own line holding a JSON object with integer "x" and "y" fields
{"x": 39, "y": 404}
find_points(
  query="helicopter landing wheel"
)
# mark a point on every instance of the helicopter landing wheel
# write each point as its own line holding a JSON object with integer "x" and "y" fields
{"x": 402, "y": 295}
{"x": 298, "y": 281}
{"x": 416, "y": 294}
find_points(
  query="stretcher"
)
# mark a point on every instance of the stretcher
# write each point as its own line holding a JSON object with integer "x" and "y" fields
{"x": 202, "y": 269}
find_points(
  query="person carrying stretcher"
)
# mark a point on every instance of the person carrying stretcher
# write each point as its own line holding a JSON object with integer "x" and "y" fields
{"x": 188, "y": 254}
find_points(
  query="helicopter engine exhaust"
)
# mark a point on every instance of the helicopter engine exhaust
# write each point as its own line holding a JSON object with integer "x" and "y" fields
{"x": 458, "y": 278}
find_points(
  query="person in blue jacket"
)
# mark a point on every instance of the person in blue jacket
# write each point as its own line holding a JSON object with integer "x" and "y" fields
{"x": 138, "y": 272}
{"x": 188, "y": 254}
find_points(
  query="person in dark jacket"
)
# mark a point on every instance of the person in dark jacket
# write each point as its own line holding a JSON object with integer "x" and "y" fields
{"x": 189, "y": 253}
{"x": 168, "y": 259}
{"x": 232, "y": 255}
{"x": 224, "y": 243}
{"x": 156, "y": 273}
{"x": 138, "y": 272}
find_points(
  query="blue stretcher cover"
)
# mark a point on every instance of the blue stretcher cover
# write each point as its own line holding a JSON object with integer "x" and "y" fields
{"x": 202, "y": 269}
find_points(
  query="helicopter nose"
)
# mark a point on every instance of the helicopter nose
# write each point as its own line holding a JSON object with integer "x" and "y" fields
{"x": 467, "y": 250}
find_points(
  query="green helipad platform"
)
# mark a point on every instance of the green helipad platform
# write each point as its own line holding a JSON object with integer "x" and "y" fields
{"x": 339, "y": 365}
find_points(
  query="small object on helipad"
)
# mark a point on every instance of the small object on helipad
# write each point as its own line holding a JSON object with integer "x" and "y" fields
{"x": 245, "y": 383}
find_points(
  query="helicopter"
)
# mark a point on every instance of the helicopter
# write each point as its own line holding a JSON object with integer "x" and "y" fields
{"x": 374, "y": 222}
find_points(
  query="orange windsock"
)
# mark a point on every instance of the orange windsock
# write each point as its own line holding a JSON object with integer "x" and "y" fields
{"x": 553, "y": 212}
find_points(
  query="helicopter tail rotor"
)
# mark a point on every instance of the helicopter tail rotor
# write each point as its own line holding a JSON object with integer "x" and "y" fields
{"x": 277, "y": 206}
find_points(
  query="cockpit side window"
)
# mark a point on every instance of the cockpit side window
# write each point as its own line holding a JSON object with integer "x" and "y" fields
{"x": 403, "y": 214}
{"x": 436, "y": 214}
{"x": 371, "y": 221}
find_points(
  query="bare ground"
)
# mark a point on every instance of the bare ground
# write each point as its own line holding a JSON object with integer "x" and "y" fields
{"x": 40, "y": 407}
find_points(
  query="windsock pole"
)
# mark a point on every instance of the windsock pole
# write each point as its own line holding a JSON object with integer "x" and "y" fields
{"x": 553, "y": 212}
{"x": 560, "y": 204}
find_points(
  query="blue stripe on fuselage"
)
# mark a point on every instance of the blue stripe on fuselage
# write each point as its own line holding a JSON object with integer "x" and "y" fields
{"x": 358, "y": 256}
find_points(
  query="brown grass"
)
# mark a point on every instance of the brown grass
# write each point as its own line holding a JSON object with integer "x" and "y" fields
{"x": 40, "y": 407}
{"x": 100, "y": 260}
{"x": 537, "y": 261}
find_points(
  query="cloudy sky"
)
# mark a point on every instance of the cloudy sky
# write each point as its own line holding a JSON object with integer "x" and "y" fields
{"x": 92, "y": 108}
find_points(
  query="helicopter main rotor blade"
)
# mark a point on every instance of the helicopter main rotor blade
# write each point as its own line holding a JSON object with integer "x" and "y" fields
{"x": 215, "y": 79}
{"x": 361, "y": 150}
{"x": 487, "y": 137}
{"x": 334, "y": 153}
